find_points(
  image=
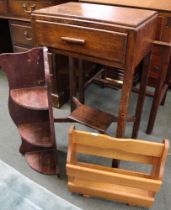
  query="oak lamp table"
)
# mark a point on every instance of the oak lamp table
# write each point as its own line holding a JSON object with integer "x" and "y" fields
{"x": 112, "y": 36}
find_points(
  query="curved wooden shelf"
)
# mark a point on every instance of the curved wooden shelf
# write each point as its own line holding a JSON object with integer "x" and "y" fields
{"x": 37, "y": 134}
{"x": 43, "y": 161}
{"x": 33, "y": 98}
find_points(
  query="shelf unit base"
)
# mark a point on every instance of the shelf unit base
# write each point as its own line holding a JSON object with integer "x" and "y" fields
{"x": 44, "y": 162}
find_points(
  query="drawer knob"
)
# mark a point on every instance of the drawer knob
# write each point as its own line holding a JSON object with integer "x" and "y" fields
{"x": 73, "y": 40}
{"x": 28, "y": 8}
{"x": 27, "y": 37}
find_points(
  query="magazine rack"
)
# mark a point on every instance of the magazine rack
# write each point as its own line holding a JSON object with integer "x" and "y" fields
{"x": 132, "y": 187}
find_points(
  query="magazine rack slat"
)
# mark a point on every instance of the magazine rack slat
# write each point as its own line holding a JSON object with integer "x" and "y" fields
{"x": 132, "y": 187}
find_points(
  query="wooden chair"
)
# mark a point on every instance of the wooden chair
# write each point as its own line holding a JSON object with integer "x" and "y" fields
{"x": 30, "y": 106}
{"x": 132, "y": 187}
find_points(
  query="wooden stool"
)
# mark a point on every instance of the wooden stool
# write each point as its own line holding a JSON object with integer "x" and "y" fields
{"x": 30, "y": 106}
{"x": 132, "y": 187}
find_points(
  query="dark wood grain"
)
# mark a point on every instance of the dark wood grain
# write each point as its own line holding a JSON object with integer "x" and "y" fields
{"x": 36, "y": 133}
{"x": 24, "y": 8}
{"x": 93, "y": 118}
{"x": 30, "y": 106}
{"x": 43, "y": 162}
{"x": 21, "y": 33}
{"x": 3, "y": 7}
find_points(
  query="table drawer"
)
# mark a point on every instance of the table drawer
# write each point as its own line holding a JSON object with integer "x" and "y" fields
{"x": 97, "y": 43}
{"x": 3, "y": 6}
{"x": 24, "y": 8}
{"x": 21, "y": 33}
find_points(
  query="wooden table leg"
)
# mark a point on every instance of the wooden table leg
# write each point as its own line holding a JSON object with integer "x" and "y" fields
{"x": 141, "y": 95}
{"x": 72, "y": 81}
{"x": 168, "y": 79}
{"x": 161, "y": 86}
{"x": 124, "y": 101}
{"x": 81, "y": 81}
{"x": 123, "y": 106}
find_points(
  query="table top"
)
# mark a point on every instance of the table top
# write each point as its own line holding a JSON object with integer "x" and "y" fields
{"x": 94, "y": 12}
{"x": 159, "y": 5}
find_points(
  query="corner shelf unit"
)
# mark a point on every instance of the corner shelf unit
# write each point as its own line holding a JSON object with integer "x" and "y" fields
{"x": 30, "y": 107}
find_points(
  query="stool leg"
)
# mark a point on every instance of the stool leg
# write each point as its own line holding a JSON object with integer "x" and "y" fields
{"x": 141, "y": 95}
{"x": 72, "y": 82}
